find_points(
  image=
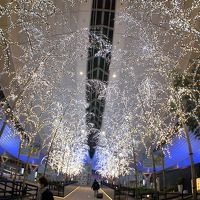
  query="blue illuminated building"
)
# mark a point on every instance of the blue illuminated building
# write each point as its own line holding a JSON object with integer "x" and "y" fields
{"x": 178, "y": 158}
{"x": 9, "y": 143}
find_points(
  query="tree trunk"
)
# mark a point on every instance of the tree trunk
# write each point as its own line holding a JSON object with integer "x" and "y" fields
{"x": 136, "y": 173}
{"x": 163, "y": 173}
{"x": 26, "y": 167}
{"x": 18, "y": 160}
{"x": 154, "y": 172}
{"x": 48, "y": 154}
{"x": 53, "y": 138}
{"x": 45, "y": 167}
{"x": 4, "y": 125}
{"x": 49, "y": 150}
{"x": 193, "y": 173}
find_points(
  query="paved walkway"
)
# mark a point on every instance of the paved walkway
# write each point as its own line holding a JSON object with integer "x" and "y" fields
{"x": 82, "y": 193}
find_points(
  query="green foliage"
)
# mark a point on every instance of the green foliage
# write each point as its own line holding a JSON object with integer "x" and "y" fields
{"x": 143, "y": 190}
{"x": 172, "y": 188}
{"x": 180, "y": 181}
{"x": 193, "y": 126}
{"x": 173, "y": 107}
{"x": 187, "y": 86}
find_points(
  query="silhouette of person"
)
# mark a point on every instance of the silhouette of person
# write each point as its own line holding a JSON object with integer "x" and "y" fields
{"x": 44, "y": 193}
{"x": 95, "y": 187}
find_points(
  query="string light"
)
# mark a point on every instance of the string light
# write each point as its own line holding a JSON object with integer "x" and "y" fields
{"x": 158, "y": 37}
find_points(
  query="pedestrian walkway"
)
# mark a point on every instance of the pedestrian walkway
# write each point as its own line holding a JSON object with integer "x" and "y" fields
{"x": 82, "y": 193}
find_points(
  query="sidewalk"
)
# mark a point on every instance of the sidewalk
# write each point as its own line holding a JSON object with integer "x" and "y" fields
{"x": 82, "y": 193}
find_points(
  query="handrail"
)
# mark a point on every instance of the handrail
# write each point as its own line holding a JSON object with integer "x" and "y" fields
{"x": 126, "y": 191}
{"x": 58, "y": 188}
{"x": 14, "y": 190}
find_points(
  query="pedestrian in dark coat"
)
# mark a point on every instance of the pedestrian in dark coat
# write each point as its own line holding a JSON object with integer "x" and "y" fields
{"x": 95, "y": 187}
{"x": 44, "y": 193}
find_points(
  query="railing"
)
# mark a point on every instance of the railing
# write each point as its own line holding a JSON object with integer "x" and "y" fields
{"x": 11, "y": 190}
{"x": 14, "y": 190}
{"x": 123, "y": 193}
{"x": 164, "y": 196}
{"x": 8, "y": 174}
{"x": 58, "y": 188}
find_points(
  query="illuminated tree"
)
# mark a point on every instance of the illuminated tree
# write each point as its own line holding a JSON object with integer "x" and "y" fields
{"x": 167, "y": 35}
{"x": 156, "y": 124}
{"x": 114, "y": 149}
{"x": 184, "y": 102}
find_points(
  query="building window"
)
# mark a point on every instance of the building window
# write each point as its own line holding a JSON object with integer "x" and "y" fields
{"x": 102, "y": 22}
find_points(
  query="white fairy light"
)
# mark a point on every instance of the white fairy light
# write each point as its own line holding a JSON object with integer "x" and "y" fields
{"x": 45, "y": 67}
{"x": 46, "y": 64}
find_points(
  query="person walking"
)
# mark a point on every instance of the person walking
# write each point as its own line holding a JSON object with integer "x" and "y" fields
{"x": 44, "y": 193}
{"x": 95, "y": 187}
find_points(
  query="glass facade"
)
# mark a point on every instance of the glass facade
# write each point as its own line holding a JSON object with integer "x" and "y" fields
{"x": 102, "y": 24}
